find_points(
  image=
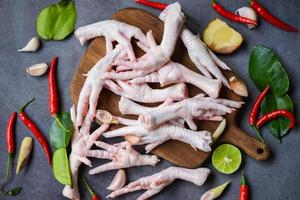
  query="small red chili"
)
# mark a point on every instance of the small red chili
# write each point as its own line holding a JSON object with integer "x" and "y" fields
{"x": 35, "y": 130}
{"x": 244, "y": 189}
{"x": 254, "y": 111}
{"x": 90, "y": 190}
{"x": 53, "y": 92}
{"x": 157, "y": 5}
{"x": 10, "y": 141}
{"x": 255, "y": 108}
{"x": 229, "y": 15}
{"x": 264, "y": 13}
{"x": 274, "y": 114}
{"x": 52, "y": 88}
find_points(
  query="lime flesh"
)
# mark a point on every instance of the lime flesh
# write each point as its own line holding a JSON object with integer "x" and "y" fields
{"x": 227, "y": 158}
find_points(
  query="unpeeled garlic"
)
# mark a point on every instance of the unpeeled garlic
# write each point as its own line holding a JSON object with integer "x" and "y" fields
{"x": 238, "y": 86}
{"x": 119, "y": 180}
{"x": 37, "y": 69}
{"x": 32, "y": 45}
{"x": 248, "y": 13}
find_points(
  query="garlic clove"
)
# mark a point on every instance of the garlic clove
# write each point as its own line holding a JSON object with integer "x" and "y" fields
{"x": 119, "y": 180}
{"x": 32, "y": 45}
{"x": 37, "y": 69}
{"x": 248, "y": 13}
{"x": 238, "y": 86}
{"x": 132, "y": 139}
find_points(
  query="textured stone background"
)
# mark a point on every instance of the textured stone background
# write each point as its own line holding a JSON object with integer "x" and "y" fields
{"x": 276, "y": 179}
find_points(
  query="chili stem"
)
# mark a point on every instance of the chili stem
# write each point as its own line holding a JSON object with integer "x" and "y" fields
{"x": 88, "y": 187}
{"x": 26, "y": 104}
{"x": 9, "y": 158}
{"x": 258, "y": 134}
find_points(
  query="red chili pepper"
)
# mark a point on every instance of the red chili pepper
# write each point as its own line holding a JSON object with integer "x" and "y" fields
{"x": 52, "y": 88}
{"x": 35, "y": 130}
{"x": 158, "y": 5}
{"x": 254, "y": 111}
{"x": 229, "y": 15}
{"x": 244, "y": 189}
{"x": 53, "y": 92}
{"x": 90, "y": 190}
{"x": 274, "y": 114}
{"x": 264, "y": 13}
{"x": 255, "y": 108}
{"x": 10, "y": 141}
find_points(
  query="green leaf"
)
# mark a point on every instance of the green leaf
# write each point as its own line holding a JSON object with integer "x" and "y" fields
{"x": 279, "y": 126}
{"x": 59, "y": 137}
{"x": 266, "y": 69}
{"x": 61, "y": 167}
{"x": 14, "y": 192}
{"x": 57, "y": 21}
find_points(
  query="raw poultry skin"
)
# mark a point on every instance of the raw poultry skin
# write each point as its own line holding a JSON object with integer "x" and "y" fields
{"x": 112, "y": 30}
{"x": 89, "y": 94}
{"x": 82, "y": 141}
{"x": 155, "y": 125}
{"x": 204, "y": 59}
{"x": 198, "y": 139}
{"x": 128, "y": 107}
{"x": 145, "y": 94}
{"x": 155, "y": 56}
{"x": 198, "y": 107}
{"x": 157, "y": 182}
{"x": 122, "y": 156}
{"x": 174, "y": 72}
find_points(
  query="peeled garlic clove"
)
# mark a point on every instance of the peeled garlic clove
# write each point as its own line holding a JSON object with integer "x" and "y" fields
{"x": 132, "y": 139}
{"x": 37, "y": 69}
{"x": 32, "y": 45}
{"x": 238, "y": 86}
{"x": 248, "y": 13}
{"x": 119, "y": 181}
{"x": 24, "y": 153}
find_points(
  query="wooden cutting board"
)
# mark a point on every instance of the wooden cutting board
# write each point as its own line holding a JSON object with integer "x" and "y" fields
{"x": 176, "y": 152}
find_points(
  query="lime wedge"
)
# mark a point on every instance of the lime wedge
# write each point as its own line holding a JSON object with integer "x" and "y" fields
{"x": 227, "y": 158}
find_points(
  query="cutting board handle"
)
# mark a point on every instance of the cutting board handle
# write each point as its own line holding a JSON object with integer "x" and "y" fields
{"x": 250, "y": 145}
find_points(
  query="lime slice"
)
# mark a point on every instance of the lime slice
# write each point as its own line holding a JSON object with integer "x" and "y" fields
{"x": 227, "y": 158}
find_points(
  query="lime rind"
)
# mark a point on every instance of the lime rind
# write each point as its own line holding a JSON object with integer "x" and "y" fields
{"x": 227, "y": 158}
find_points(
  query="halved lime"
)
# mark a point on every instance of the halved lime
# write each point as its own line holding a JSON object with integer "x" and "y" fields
{"x": 227, "y": 158}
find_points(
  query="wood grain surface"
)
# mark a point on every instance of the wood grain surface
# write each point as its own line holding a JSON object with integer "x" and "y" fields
{"x": 176, "y": 152}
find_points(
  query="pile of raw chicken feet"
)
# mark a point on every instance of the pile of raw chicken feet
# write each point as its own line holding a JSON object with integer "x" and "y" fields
{"x": 125, "y": 75}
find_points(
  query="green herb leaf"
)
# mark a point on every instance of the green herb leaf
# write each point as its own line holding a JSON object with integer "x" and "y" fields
{"x": 266, "y": 69}
{"x": 14, "y": 192}
{"x": 61, "y": 167}
{"x": 57, "y": 21}
{"x": 279, "y": 126}
{"x": 59, "y": 137}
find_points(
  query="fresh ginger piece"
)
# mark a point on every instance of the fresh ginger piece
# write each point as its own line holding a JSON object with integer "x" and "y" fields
{"x": 221, "y": 38}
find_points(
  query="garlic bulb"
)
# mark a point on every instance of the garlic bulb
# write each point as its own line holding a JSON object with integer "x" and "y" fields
{"x": 248, "y": 13}
{"x": 37, "y": 69}
{"x": 32, "y": 45}
{"x": 119, "y": 180}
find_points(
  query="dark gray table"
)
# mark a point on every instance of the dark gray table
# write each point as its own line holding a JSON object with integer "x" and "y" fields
{"x": 275, "y": 179}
